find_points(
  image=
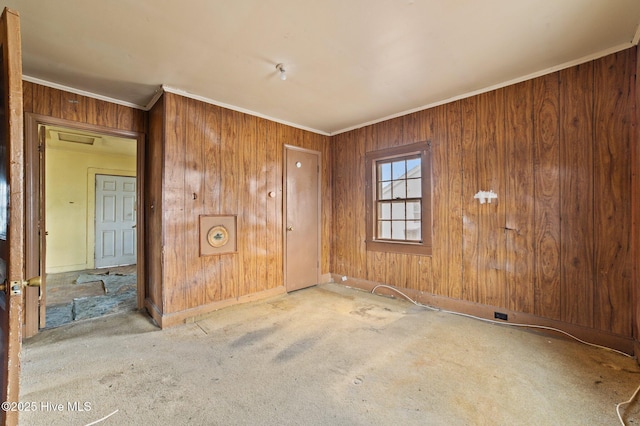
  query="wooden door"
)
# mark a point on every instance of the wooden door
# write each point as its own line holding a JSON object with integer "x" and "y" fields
{"x": 11, "y": 210}
{"x": 115, "y": 221}
{"x": 35, "y": 306}
{"x": 302, "y": 219}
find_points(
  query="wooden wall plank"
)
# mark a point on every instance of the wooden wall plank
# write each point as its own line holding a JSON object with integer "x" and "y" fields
{"x": 612, "y": 185}
{"x": 547, "y": 196}
{"x": 412, "y": 131}
{"x": 193, "y": 200}
{"x": 470, "y": 206}
{"x": 518, "y": 194}
{"x": 576, "y": 194}
{"x": 340, "y": 148}
{"x": 125, "y": 117}
{"x": 396, "y": 271}
{"x": 27, "y": 96}
{"x": 441, "y": 204}
{"x": 229, "y": 200}
{"x": 46, "y": 101}
{"x": 261, "y": 202}
{"x": 92, "y": 111}
{"x": 211, "y": 197}
{"x": 274, "y": 205}
{"x": 389, "y": 133}
{"x": 247, "y": 213}
{"x": 348, "y": 215}
{"x": 105, "y": 113}
{"x": 491, "y": 288}
{"x": 456, "y": 203}
{"x": 322, "y": 144}
{"x": 174, "y": 203}
{"x": 73, "y": 107}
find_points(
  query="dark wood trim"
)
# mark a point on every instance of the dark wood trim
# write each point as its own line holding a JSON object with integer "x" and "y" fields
{"x": 620, "y": 343}
{"x": 426, "y": 246}
{"x": 32, "y": 183}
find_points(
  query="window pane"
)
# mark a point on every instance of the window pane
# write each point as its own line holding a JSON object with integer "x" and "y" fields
{"x": 384, "y": 211}
{"x": 384, "y": 230}
{"x": 384, "y": 171}
{"x": 398, "y": 211}
{"x": 399, "y": 169}
{"x": 398, "y": 229}
{"x": 413, "y": 210}
{"x": 399, "y": 189}
{"x": 413, "y": 168}
{"x": 414, "y": 188}
{"x": 414, "y": 230}
{"x": 384, "y": 191}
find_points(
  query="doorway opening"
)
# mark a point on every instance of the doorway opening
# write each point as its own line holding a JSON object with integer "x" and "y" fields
{"x": 90, "y": 224}
{"x": 85, "y": 191}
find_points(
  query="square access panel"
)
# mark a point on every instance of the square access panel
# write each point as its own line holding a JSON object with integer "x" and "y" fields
{"x": 218, "y": 234}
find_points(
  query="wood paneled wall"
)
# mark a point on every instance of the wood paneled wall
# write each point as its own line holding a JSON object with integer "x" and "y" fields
{"x": 211, "y": 161}
{"x": 56, "y": 103}
{"x": 556, "y": 150}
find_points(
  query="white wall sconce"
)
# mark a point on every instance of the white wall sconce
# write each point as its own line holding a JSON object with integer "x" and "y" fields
{"x": 283, "y": 73}
{"x": 486, "y": 196}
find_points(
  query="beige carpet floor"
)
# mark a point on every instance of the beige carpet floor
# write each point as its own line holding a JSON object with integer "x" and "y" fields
{"x": 327, "y": 355}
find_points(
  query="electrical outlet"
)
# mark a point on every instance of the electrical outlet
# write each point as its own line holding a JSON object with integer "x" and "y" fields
{"x": 500, "y": 316}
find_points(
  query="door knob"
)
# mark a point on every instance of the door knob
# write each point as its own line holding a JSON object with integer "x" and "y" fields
{"x": 16, "y": 286}
{"x": 33, "y": 282}
{"x": 289, "y": 228}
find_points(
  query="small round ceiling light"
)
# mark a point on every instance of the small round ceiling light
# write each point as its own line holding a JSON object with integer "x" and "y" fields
{"x": 283, "y": 73}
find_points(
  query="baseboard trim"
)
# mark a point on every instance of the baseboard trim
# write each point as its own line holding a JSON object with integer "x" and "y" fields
{"x": 598, "y": 337}
{"x": 195, "y": 314}
{"x": 326, "y": 278}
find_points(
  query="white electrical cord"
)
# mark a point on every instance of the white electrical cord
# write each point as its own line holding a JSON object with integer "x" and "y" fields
{"x": 624, "y": 403}
{"x": 517, "y": 325}
{"x": 102, "y": 419}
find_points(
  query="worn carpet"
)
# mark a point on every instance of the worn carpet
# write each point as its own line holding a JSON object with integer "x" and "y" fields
{"x": 327, "y": 355}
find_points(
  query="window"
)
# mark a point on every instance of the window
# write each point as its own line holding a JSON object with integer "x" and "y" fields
{"x": 399, "y": 199}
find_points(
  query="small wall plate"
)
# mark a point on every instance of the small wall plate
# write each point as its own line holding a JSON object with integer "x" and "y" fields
{"x": 218, "y": 234}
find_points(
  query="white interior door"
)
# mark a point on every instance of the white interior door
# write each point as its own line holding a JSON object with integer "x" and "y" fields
{"x": 115, "y": 221}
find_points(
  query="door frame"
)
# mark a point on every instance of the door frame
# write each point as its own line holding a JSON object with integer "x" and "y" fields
{"x": 284, "y": 209}
{"x": 34, "y": 180}
{"x": 12, "y": 248}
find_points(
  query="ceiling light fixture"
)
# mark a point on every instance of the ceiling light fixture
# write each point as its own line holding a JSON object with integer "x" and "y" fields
{"x": 283, "y": 74}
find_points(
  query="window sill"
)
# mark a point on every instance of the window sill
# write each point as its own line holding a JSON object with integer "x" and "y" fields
{"x": 399, "y": 247}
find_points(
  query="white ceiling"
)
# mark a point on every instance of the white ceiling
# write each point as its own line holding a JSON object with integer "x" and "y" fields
{"x": 349, "y": 62}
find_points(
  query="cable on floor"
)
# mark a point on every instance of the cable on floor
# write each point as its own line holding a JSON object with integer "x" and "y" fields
{"x": 432, "y": 308}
